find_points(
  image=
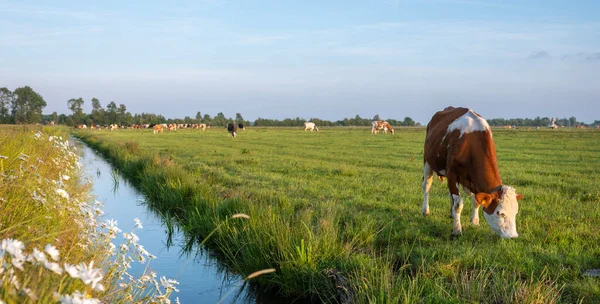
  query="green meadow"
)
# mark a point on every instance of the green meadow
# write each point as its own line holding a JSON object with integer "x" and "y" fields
{"x": 338, "y": 213}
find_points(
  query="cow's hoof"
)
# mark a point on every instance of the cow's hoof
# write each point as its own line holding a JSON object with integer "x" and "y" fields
{"x": 457, "y": 232}
{"x": 426, "y": 212}
{"x": 475, "y": 222}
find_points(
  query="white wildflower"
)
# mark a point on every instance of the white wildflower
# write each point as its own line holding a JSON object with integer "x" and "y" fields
{"x": 111, "y": 248}
{"x": 72, "y": 271}
{"x": 38, "y": 197}
{"x": 111, "y": 225}
{"x": 145, "y": 278}
{"x": 91, "y": 276}
{"x": 169, "y": 284}
{"x": 3, "y": 157}
{"x": 37, "y": 255}
{"x": 37, "y": 135}
{"x": 62, "y": 193}
{"x": 12, "y": 279}
{"x": 23, "y": 157}
{"x": 78, "y": 298}
{"x": 138, "y": 223}
{"x": 65, "y": 177}
{"x": 18, "y": 262}
{"x": 52, "y": 251}
{"x": 53, "y": 266}
{"x": 13, "y": 247}
{"x": 98, "y": 211}
{"x": 131, "y": 237}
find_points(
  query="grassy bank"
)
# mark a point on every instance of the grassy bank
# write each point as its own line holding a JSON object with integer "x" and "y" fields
{"x": 54, "y": 245}
{"x": 337, "y": 213}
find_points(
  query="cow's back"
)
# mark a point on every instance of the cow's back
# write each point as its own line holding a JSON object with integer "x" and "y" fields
{"x": 435, "y": 151}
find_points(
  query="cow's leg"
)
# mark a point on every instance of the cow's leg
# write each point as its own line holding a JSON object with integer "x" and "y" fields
{"x": 475, "y": 212}
{"x": 457, "y": 204}
{"x": 427, "y": 180}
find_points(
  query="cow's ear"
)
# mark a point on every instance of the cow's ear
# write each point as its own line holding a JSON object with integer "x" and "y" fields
{"x": 519, "y": 197}
{"x": 484, "y": 199}
{"x": 488, "y": 201}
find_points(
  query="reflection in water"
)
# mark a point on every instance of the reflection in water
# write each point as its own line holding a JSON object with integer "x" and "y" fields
{"x": 202, "y": 279}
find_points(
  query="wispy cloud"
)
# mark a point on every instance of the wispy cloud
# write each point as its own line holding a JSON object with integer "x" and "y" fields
{"x": 582, "y": 57}
{"x": 538, "y": 55}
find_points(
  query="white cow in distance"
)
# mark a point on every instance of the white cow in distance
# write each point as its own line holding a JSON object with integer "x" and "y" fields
{"x": 310, "y": 126}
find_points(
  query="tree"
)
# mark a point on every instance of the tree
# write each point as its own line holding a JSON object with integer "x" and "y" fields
{"x": 220, "y": 119}
{"x": 111, "y": 113}
{"x": 6, "y": 100}
{"x": 376, "y": 117}
{"x": 97, "y": 111}
{"x": 76, "y": 106}
{"x": 121, "y": 114}
{"x": 27, "y": 106}
{"x": 206, "y": 119}
{"x": 54, "y": 117}
{"x": 198, "y": 116}
{"x": 409, "y": 122}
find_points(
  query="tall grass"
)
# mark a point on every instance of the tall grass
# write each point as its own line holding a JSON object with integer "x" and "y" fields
{"x": 54, "y": 246}
{"x": 338, "y": 213}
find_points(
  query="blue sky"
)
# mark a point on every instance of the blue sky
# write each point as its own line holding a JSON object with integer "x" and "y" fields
{"x": 326, "y": 59}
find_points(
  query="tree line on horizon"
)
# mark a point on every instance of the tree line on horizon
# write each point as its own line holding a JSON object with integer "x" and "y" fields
{"x": 25, "y": 106}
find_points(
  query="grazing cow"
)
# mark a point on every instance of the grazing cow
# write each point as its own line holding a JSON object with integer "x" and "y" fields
{"x": 459, "y": 146}
{"x": 232, "y": 128}
{"x": 203, "y": 127}
{"x": 113, "y": 127}
{"x": 172, "y": 127}
{"x": 241, "y": 127}
{"x": 310, "y": 126}
{"x": 82, "y": 126}
{"x": 552, "y": 125}
{"x": 158, "y": 128}
{"x": 378, "y": 125}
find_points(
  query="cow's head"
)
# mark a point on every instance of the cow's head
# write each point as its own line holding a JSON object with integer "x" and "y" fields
{"x": 500, "y": 210}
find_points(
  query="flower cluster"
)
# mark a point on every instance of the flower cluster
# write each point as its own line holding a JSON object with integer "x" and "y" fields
{"x": 103, "y": 275}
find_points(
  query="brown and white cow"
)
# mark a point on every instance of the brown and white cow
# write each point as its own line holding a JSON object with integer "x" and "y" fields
{"x": 459, "y": 146}
{"x": 202, "y": 126}
{"x": 309, "y": 126}
{"x": 158, "y": 128}
{"x": 378, "y": 125}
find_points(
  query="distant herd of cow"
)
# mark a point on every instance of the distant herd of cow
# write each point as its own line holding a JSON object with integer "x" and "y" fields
{"x": 458, "y": 147}
{"x": 232, "y": 128}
